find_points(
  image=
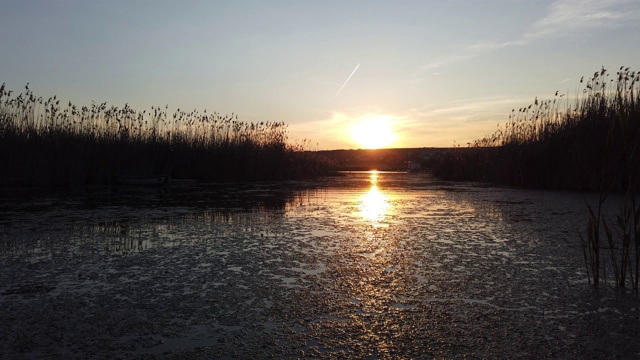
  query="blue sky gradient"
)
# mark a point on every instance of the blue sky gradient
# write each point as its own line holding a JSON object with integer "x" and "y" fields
{"x": 442, "y": 71}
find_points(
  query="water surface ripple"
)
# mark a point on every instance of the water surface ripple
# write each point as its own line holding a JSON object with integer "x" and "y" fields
{"x": 367, "y": 265}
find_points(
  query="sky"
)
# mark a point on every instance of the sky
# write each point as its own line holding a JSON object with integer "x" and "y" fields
{"x": 425, "y": 73}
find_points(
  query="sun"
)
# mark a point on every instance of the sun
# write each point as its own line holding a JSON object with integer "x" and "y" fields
{"x": 374, "y": 132}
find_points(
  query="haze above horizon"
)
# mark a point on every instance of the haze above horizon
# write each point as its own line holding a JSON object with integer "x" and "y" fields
{"x": 342, "y": 75}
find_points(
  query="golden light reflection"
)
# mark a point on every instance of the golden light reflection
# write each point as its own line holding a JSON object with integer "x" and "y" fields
{"x": 374, "y": 204}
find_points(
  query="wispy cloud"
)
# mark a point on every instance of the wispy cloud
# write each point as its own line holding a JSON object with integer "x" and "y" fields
{"x": 482, "y": 46}
{"x": 478, "y": 109}
{"x": 444, "y": 60}
{"x": 573, "y": 16}
{"x": 570, "y": 17}
{"x": 460, "y": 121}
{"x": 333, "y": 127}
{"x": 564, "y": 17}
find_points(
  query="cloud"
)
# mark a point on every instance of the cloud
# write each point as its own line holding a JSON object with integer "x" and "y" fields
{"x": 476, "y": 108}
{"x": 328, "y": 132}
{"x": 418, "y": 75}
{"x": 462, "y": 121}
{"x": 573, "y": 16}
{"x": 561, "y": 18}
{"x": 564, "y": 17}
{"x": 446, "y": 60}
{"x": 490, "y": 45}
{"x": 569, "y": 17}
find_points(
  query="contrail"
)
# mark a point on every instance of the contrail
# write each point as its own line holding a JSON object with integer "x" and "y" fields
{"x": 349, "y": 78}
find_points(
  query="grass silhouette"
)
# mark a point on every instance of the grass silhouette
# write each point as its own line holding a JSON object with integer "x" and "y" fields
{"x": 574, "y": 144}
{"x": 593, "y": 144}
{"x": 44, "y": 143}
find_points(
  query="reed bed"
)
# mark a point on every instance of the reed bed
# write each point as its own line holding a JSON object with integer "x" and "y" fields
{"x": 558, "y": 143}
{"x": 590, "y": 143}
{"x": 46, "y": 143}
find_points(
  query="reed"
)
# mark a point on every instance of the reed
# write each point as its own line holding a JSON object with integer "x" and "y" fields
{"x": 559, "y": 143}
{"x": 46, "y": 143}
{"x": 622, "y": 237}
{"x": 589, "y": 143}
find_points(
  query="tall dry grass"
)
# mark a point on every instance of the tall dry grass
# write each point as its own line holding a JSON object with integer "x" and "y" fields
{"x": 589, "y": 143}
{"x": 46, "y": 143}
{"x": 559, "y": 143}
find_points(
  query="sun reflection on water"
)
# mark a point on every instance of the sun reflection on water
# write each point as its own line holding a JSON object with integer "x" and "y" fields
{"x": 374, "y": 204}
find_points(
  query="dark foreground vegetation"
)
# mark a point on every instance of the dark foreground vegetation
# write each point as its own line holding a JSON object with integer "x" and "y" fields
{"x": 592, "y": 144}
{"x": 580, "y": 144}
{"x": 43, "y": 143}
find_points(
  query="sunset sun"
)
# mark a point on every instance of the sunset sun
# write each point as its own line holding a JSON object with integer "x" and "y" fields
{"x": 374, "y": 132}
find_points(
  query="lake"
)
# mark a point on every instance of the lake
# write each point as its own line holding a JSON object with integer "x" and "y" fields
{"x": 363, "y": 265}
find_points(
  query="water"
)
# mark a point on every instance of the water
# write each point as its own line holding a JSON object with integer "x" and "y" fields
{"x": 377, "y": 265}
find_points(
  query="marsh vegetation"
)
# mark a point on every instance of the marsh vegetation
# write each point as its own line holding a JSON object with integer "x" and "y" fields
{"x": 46, "y": 143}
{"x": 582, "y": 143}
{"x": 590, "y": 144}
